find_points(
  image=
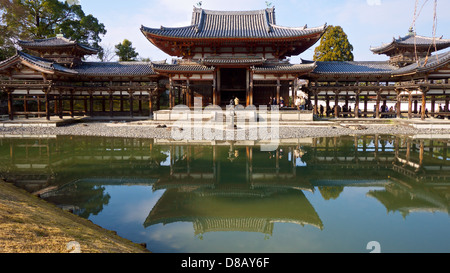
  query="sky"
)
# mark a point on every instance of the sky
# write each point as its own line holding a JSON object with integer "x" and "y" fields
{"x": 367, "y": 23}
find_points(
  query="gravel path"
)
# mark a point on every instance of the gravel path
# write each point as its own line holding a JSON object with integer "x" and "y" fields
{"x": 142, "y": 130}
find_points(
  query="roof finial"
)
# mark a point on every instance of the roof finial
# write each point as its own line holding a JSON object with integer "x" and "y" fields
{"x": 269, "y": 4}
{"x": 199, "y": 4}
{"x": 411, "y": 32}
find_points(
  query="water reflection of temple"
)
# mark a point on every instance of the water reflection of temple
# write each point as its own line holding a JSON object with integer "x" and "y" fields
{"x": 230, "y": 186}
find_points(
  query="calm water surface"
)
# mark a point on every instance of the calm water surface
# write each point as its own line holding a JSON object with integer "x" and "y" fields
{"x": 310, "y": 195}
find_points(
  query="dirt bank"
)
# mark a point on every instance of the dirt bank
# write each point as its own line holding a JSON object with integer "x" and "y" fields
{"x": 31, "y": 225}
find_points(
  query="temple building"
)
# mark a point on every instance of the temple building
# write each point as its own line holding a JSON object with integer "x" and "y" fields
{"x": 223, "y": 55}
{"x": 233, "y": 54}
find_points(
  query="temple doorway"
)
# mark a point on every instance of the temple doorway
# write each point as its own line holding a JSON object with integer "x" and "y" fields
{"x": 233, "y": 83}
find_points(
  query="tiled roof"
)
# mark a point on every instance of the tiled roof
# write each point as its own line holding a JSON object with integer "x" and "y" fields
{"x": 303, "y": 68}
{"x": 349, "y": 68}
{"x": 115, "y": 69}
{"x": 39, "y": 62}
{"x": 232, "y": 61}
{"x": 208, "y": 24}
{"x": 58, "y": 41}
{"x": 425, "y": 64}
{"x": 193, "y": 67}
{"x": 412, "y": 40}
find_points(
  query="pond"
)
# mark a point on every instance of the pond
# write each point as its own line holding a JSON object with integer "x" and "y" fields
{"x": 315, "y": 195}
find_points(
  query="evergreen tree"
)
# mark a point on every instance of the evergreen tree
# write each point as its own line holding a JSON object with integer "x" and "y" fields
{"x": 126, "y": 51}
{"x": 39, "y": 19}
{"x": 334, "y": 46}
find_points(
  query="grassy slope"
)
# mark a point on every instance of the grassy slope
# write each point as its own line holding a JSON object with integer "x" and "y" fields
{"x": 31, "y": 225}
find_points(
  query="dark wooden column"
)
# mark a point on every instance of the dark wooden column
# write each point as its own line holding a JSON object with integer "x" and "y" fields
{"x": 71, "y": 103}
{"x": 10, "y": 104}
{"x": 130, "y": 93}
{"x": 409, "y": 105}
{"x": 91, "y": 104}
{"x": 60, "y": 104}
{"x": 365, "y": 105}
{"x": 121, "y": 101}
{"x": 214, "y": 89}
{"x": 111, "y": 103}
{"x": 171, "y": 105}
{"x": 140, "y": 103}
{"x": 327, "y": 102}
{"x": 377, "y": 110}
{"x": 316, "y": 103}
{"x": 25, "y": 104}
{"x": 47, "y": 104}
{"x": 433, "y": 105}
{"x": 336, "y": 103}
{"x": 251, "y": 87}
{"x": 278, "y": 89}
{"x": 190, "y": 93}
{"x": 150, "y": 100}
{"x": 39, "y": 105}
{"x": 358, "y": 92}
{"x": 85, "y": 105}
{"x": 424, "y": 103}
{"x": 399, "y": 104}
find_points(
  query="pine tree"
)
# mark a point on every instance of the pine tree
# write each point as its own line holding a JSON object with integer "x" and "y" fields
{"x": 126, "y": 51}
{"x": 334, "y": 46}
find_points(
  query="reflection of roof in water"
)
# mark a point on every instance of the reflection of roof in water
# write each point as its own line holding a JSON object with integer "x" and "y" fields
{"x": 214, "y": 213}
{"x": 408, "y": 197}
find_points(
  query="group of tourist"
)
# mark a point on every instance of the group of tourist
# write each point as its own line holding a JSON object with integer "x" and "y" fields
{"x": 300, "y": 103}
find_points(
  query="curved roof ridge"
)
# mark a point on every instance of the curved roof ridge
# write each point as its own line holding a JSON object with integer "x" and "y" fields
{"x": 234, "y": 12}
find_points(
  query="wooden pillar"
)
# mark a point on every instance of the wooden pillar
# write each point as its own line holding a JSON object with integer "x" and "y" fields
{"x": 251, "y": 88}
{"x": 316, "y": 103}
{"x": 399, "y": 104}
{"x": 121, "y": 101}
{"x": 358, "y": 92}
{"x": 25, "y": 105}
{"x": 10, "y": 105}
{"x": 56, "y": 105}
{"x": 130, "y": 97}
{"x": 409, "y": 105}
{"x": 214, "y": 89}
{"x": 278, "y": 90}
{"x": 47, "y": 105}
{"x": 170, "y": 93}
{"x": 365, "y": 105}
{"x": 336, "y": 103}
{"x": 189, "y": 93}
{"x": 433, "y": 105}
{"x": 39, "y": 106}
{"x": 150, "y": 102}
{"x": 103, "y": 104}
{"x": 158, "y": 98}
{"x": 71, "y": 104}
{"x": 424, "y": 104}
{"x": 327, "y": 101}
{"x": 247, "y": 88}
{"x": 85, "y": 105}
{"x": 91, "y": 104}
{"x": 60, "y": 105}
{"x": 377, "y": 109}
{"x": 111, "y": 104}
{"x": 219, "y": 87}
